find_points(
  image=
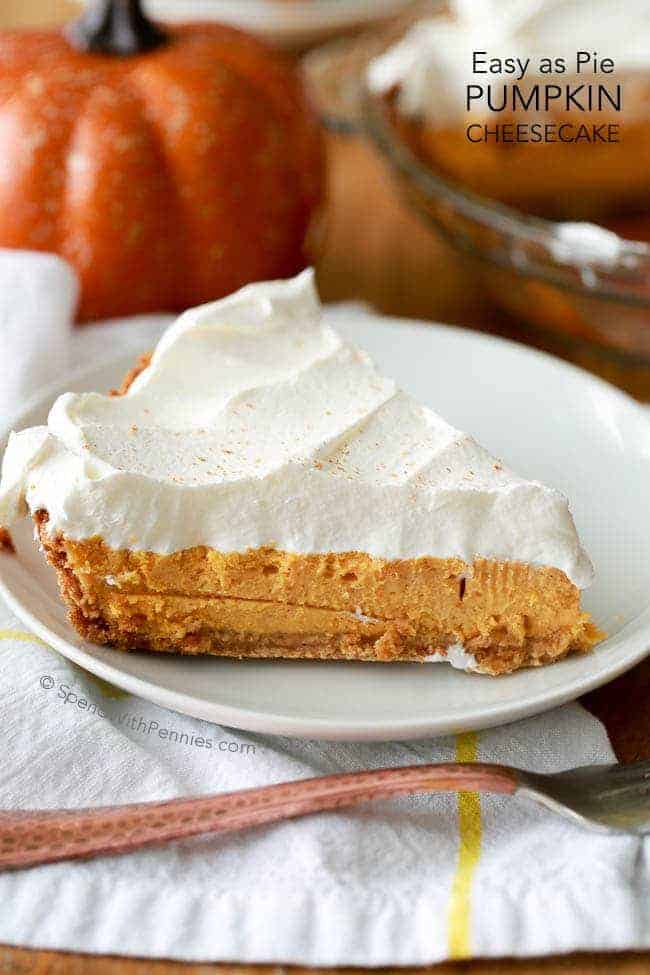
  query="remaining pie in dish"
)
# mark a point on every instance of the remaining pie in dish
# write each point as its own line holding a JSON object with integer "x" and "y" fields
{"x": 568, "y": 143}
{"x": 258, "y": 489}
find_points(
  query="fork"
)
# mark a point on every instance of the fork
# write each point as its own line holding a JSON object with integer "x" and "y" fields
{"x": 609, "y": 798}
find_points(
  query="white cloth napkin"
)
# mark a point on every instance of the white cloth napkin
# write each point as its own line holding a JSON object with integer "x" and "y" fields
{"x": 407, "y": 881}
{"x": 38, "y": 296}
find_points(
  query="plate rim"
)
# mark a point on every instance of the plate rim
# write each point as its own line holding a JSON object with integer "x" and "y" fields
{"x": 478, "y": 717}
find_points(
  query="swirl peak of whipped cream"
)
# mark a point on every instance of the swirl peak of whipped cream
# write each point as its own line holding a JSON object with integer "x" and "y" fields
{"x": 432, "y": 63}
{"x": 256, "y": 424}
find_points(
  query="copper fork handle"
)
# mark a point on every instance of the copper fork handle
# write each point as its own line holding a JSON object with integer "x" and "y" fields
{"x": 41, "y": 836}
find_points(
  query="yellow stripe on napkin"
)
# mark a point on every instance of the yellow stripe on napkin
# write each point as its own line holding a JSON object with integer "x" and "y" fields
{"x": 459, "y": 941}
{"x": 21, "y": 635}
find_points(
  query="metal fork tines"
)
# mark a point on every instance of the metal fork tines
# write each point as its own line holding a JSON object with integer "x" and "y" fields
{"x": 610, "y": 797}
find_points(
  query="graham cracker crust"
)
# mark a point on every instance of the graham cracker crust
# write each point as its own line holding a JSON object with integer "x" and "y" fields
{"x": 6, "y": 543}
{"x": 132, "y": 374}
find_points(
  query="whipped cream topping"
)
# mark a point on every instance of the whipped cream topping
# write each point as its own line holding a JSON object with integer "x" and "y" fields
{"x": 586, "y": 243}
{"x": 257, "y": 425}
{"x": 432, "y": 63}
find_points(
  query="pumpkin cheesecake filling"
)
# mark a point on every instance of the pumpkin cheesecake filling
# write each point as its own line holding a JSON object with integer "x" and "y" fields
{"x": 268, "y": 603}
{"x": 289, "y": 501}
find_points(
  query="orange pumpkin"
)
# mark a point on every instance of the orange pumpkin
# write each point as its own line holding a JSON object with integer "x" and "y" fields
{"x": 168, "y": 167}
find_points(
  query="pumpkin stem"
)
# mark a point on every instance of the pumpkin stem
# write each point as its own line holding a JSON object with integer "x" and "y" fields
{"x": 115, "y": 27}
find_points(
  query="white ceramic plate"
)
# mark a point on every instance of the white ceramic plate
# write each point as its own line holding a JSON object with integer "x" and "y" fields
{"x": 288, "y": 23}
{"x": 549, "y": 421}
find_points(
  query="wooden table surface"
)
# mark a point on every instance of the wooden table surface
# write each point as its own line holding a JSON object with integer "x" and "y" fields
{"x": 378, "y": 251}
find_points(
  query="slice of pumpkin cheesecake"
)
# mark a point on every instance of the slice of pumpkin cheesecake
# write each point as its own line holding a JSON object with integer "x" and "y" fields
{"x": 258, "y": 489}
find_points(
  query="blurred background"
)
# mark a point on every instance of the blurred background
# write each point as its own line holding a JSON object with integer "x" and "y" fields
{"x": 399, "y": 230}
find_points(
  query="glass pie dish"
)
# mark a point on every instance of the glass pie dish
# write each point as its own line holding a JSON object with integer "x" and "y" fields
{"x": 576, "y": 283}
